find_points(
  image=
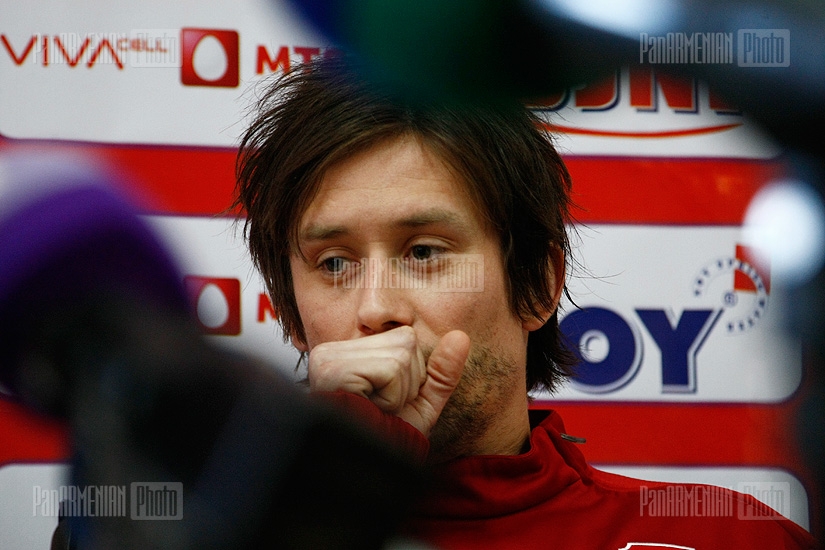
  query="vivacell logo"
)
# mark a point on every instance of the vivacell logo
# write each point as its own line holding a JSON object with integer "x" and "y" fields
{"x": 210, "y": 57}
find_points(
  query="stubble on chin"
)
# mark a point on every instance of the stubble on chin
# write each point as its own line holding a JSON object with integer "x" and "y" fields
{"x": 471, "y": 409}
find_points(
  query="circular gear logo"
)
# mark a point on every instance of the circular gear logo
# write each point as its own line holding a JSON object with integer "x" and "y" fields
{"x": 745, "y": 296}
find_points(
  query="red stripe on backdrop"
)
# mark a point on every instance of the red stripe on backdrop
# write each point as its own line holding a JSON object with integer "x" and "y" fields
{"x": 168, "y": 180}
{"x": 757, "y": 434}
{"x": 683, "y": 434}
{"x": 676, "y": 191}
{"x": 609, "y": 190}
{"x": 667, "y": 191}
{"x": 28, "y": 437}
{"x": 180, "y": 180}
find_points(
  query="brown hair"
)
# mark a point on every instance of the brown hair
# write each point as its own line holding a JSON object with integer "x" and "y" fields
{"x": 316, "y": 115}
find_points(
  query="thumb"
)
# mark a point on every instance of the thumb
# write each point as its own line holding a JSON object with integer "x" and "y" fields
{"x": 444, "y": 368}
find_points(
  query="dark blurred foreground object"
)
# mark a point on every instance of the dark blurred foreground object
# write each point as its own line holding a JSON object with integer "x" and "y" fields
{"x": 95, "y": 330}
{"x": 463, "y": 50}
{"x": 481, "y": 50}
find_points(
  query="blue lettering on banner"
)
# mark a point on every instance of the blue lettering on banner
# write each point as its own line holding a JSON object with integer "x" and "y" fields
{"x": 621, "y": 362}
{"x": 621, "y": 357}
{"x": 679, "y": 345}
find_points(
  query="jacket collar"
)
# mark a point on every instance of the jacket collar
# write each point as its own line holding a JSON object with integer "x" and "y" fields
{"x": 477, "y": 487}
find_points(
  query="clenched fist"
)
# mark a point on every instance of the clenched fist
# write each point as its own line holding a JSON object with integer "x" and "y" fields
{"x": 390, "y": 370}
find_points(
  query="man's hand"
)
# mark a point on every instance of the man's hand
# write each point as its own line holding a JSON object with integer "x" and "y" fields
{"x": 389, "y": 369}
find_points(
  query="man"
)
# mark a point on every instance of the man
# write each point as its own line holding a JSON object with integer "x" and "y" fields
{"x": 417, "y": 254}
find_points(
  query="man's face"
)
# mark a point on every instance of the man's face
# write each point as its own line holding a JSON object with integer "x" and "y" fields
{"x": 386, "y": 242}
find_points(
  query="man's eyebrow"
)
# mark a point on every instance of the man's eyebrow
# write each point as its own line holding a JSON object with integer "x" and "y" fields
{"x": 433, "y": 216}
{"x": 321, "y": 232}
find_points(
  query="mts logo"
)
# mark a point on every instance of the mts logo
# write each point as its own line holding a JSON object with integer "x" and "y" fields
{"x": 265, "y": 310}
{"x": 680, "y": 95}
{"x": 216, "y": 303}
{"x": 270, "y": 61}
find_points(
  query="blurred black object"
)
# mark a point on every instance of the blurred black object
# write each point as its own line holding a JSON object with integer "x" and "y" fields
{"x": 471, "y": 50}
{"x": 62, "y": 538}
{"x": 96, "y": 331}
{"x": 465, "y": 50}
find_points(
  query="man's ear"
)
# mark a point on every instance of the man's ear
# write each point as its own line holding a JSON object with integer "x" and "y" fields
{"x": 557, "y": 275}
{"x": 298, "y": 342}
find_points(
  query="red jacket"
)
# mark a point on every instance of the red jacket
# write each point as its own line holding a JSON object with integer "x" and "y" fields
{"x": 550, "y": 497}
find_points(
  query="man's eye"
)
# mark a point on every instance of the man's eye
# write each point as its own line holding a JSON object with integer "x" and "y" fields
{"x": 334, "y": 265}
{"x": 422, "y": 252}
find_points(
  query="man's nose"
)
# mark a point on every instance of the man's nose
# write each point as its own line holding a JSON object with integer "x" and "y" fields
{"x": 382, "y": 304}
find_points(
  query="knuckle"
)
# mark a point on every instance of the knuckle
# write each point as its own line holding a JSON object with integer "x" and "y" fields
{"x": 406, "y": 335}
{"x": 318, "y": 354}
{"x": 320, "y": 368}
{"x": 319, "y": 379}
{"x": 401, "y": 359}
